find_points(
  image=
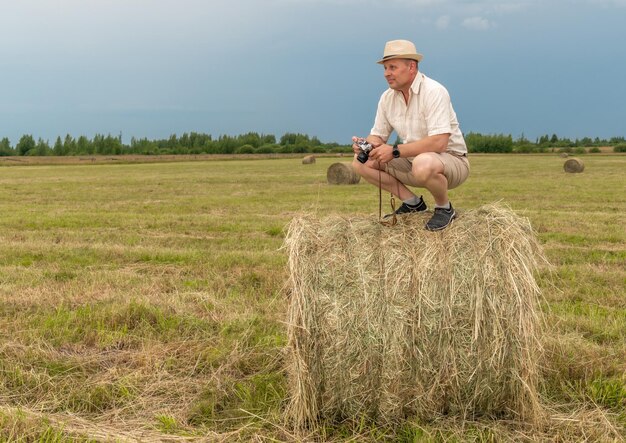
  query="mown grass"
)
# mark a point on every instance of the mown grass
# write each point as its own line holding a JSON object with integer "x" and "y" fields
{"x": 144, "y": 301}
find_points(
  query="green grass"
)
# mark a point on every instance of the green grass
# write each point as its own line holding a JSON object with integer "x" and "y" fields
{"x": 148, "y": 297}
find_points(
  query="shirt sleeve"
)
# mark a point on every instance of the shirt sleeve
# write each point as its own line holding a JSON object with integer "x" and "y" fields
{"x": 438, "y": 111}
{"x": 382, "y": 128}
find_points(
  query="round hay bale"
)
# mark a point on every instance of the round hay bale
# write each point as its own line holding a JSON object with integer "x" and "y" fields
{"x": 308, "y": 160}
{"x": 342, "y": 174}
{"x": 564, "y": 155}
{"x": 395, "y": 322}
{"x": 574, "y": 165}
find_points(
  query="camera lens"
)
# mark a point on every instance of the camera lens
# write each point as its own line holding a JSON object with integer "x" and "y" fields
{"x": 362, "y": 157}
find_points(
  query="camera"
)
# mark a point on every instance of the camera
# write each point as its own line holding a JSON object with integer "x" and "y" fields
{"x": 365, "y": 150}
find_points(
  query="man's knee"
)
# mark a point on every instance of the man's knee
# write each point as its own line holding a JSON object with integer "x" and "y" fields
{"x": 425, "y": 169}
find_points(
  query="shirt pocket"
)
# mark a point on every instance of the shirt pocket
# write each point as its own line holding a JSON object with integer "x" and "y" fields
{"x": 420, "y": 125}
{"x": 397, "y": 119}
{"x": 415, "y": 121}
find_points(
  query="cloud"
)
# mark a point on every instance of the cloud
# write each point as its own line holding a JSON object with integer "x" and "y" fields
{"x": 383, "y": 3}
{"x": 477, "y": 23}
{"x": 618, "y": 3}
{"x": 509, "y": 8}
{"x": 443, "y": 22}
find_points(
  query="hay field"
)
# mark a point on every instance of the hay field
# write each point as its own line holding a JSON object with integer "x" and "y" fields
{"x": 143, "y": 302}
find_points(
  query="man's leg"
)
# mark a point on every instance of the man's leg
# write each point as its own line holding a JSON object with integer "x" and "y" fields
{"x": 428, "y": 172}
{"x": 393, "y": 182}
{"x": 373, "y": 172}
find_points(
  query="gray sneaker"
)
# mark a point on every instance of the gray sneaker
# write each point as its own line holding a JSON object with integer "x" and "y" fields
{"x": 407, "y": 209}
{"x": 441, "y": 219}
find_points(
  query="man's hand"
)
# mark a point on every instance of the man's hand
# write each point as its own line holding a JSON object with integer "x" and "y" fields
{"x": 382, "y": 153}
{"x": 355, "y": 147}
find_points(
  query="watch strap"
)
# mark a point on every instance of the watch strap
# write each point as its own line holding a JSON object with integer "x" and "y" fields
{"x": 396, "y": 151}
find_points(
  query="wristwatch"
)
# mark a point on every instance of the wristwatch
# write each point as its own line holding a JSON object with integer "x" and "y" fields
{"x": 396, "y": 151}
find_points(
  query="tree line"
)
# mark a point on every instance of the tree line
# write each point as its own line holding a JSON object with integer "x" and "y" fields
{"x": 255, "y": 143}
{"x": 501, "y": 143}
{"x": 188, "y": 143}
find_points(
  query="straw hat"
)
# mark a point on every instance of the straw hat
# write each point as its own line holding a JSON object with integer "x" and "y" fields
{"x": 400, "y": 49}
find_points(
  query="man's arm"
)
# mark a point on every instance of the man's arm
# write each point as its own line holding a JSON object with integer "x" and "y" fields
{"x": 373, "y": 140}
{"x": 432, "y": 143}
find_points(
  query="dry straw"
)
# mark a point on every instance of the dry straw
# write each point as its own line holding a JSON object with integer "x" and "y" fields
{"x": 395, "y": 322}
{"x": 342, "y": 173}
{"x": 308, "y": 160}
{"x": 574, "y": 165}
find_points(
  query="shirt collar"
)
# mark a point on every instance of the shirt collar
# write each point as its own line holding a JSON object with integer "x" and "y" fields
{"x": 415, "y": 86}
{"x": 417, "y": 82}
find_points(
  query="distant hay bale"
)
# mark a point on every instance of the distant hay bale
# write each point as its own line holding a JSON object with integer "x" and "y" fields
{"x": 308, "y": 160}
{"x": 394, "y": 322}
{"x": 564, "y": 155}
{"x": 342, "y": 174}
{"x": 574, "y": 165}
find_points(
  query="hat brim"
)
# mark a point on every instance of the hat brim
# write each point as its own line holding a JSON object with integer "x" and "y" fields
{"x": 416, "y": 57}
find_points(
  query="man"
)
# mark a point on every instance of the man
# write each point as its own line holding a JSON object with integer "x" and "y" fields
{"x": 432, "y": 155}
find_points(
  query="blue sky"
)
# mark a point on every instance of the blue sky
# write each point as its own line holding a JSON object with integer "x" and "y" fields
{"x": 151, "y": 68}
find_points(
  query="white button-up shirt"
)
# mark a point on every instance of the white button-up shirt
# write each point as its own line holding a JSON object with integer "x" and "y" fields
{"x": 429, "y": 112}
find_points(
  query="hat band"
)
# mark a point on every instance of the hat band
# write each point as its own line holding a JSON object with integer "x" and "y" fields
{"x": 408, "y": 56}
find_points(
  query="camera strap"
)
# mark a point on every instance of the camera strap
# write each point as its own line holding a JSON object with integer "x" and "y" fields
{"x": 392, "y": 200}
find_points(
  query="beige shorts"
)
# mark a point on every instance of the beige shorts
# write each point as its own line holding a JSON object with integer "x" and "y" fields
{"x": 455, "y": 168}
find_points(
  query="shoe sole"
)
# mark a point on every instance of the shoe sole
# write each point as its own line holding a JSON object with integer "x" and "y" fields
{"x": 403, "y": 214}
{"x": 442, "y": 227}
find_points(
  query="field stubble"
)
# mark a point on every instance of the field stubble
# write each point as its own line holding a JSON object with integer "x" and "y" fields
{"x": 144, "y": 301}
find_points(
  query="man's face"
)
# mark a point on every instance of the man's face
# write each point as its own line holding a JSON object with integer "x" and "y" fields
{"x": 398, "y": 73}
